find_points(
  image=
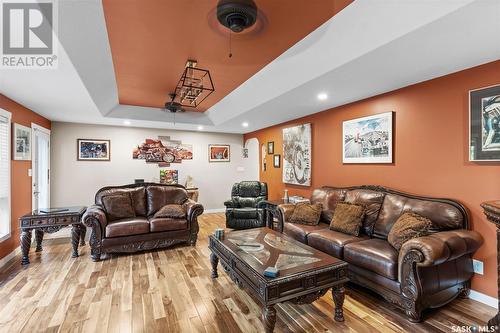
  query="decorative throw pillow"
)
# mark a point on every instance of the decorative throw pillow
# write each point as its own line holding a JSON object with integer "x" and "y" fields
{"x": 305, "y": 213}
{"x": 172, "y": 211}
{"x": 348, "y": 218}
{"x": 409, "y": 225}
{"x": 118, "y": 206}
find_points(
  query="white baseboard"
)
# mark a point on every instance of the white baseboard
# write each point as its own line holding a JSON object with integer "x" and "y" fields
{"x": 215, "y": 210}
{"x": 9, "y": 257}
{"x": 483, "y": 298}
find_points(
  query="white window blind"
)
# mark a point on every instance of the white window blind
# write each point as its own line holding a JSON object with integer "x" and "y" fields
{"x": 4, "y": 174}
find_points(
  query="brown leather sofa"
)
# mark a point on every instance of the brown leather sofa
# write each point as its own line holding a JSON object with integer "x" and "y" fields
{"x": 142, "y": 231}
{"x": 427, "y": 272}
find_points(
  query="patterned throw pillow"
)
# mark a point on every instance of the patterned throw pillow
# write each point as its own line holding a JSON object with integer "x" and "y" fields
{"x": 172, "y": 211}
{"x": 305, "y": 213}
{"x": 409, "y": 225}
{"x": 118, "y": 206}
{"x": 348, "y": 218}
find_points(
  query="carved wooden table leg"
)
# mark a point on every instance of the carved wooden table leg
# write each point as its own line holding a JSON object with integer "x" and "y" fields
{"x": 39, "y": 239}
{"x": 338, "y": 293}
{"x": 75, "y": 239}
{"x": 214, "y": 260}
{"x": 269, "y": 318}
{"x": 83, "y": 232}
{"x": 25, "y": 245}
{"x": 495, "y": 321}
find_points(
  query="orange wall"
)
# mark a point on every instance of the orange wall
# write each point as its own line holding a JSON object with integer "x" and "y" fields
{"x": 20, "y": 182}
{"x": 430, "y": 152}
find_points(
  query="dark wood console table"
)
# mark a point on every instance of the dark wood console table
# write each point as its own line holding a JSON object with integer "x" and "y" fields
{"x": 492, "y": 212}
{"x": 305, "y": 274}
{"x": 51, "y": 221}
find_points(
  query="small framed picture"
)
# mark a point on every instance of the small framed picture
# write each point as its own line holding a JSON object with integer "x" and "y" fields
{"x": 277, "y": 161}
{"x": 245, "y": 152}
{"x": 484, "y": 124}
{"x": 219, "y": 153}
{"x": 93, "y": 150}
{"x": 22, "y": 143}
{"x": 270, "y": 147}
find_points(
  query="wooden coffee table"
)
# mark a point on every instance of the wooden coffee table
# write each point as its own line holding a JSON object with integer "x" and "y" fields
{"x": 305, "y": 274}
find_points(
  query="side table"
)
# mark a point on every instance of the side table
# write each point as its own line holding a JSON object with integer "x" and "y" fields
{"x": 492, "y": 212}
{"x": 51, "y": 220}
{"x": 271, "y": 212}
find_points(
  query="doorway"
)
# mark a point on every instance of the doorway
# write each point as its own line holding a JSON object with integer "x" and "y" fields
{"x": 40, "y": 164}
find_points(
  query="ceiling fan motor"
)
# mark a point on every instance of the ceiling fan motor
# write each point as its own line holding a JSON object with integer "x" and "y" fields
{"x": 237, "y": 15}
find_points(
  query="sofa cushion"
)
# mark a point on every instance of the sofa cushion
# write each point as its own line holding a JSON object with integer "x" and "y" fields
{"x": 305, "y": 213}
{"x": 161, "y": 195}
{"x": 372, "y": 201}
{"x": 167, "y": 224}
{"x": 127, "y": 227}
{"x": 300, "y": 231}
{"x": 409, "y": 225}
{"x": 118, "y": 206}
{"x": 376, "y": 255}
{"x": 171, "y": 211}
{"x": 332, "y": 242}
{"x": 138, "y": 196}
{"x": 444, "y": 216}
{"x": 348, "y": 218}
{"x": 328, "y": 197}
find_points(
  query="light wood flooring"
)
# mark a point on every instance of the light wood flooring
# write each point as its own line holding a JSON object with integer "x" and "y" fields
{"x": 171, "y": 291}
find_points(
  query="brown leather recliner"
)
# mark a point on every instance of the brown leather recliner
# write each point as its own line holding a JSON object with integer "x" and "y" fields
{"x": 120, "y": 229}
{"x": 427, "y": 272}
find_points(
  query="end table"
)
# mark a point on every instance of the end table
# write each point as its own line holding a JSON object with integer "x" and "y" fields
{"x": 51, "y": 220}
{"x": 271, "y": 211}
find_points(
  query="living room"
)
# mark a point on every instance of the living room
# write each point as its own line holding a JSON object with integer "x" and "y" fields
{"x": 249, "y": 166}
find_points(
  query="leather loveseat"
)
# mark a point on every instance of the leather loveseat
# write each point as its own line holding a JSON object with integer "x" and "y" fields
{"x": 427, "y": 272}
{"x": 244, "y": 211}
{"x": 141, "y": 231}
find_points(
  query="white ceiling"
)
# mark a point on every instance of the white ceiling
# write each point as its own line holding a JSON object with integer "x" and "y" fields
{"x": 371, "y": 47}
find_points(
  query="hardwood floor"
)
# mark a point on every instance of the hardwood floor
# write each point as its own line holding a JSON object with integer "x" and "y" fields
{"x": 171, "y": 291}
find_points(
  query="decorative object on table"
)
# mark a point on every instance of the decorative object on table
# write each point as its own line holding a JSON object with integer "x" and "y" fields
{"x": 138, "y": 181}
{"x": 219, "y": 233}
{"x": 297, "y": 155}
{"x": 169, "y": 177}
{"x": 144, "y": 231}
{"x": 277, "y": 161}
{"x": 219, "y": 153}
{"x": 271, "y": 272}
{"x": 22, "y": 142}
{"x": 244, "y": 210}
{"x": 51, "y": 220}
{"x": 492, "y": 212}
{"x": 302, "y": 270}
{"x": 286, "y": 198}
{"x": 244, "y": 152}
{"x": 189, "y": 182}
{"x": 367, "y": 139}
{"x": 163, "y": 151}
{"x": 484, "y": 124}
{"x": 295, "y": 199}
{"x": 270, "y": 147}
{"x": 93, "y": 150}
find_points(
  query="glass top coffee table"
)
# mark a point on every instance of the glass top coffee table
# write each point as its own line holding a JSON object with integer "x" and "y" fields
{"x": 305, "y": 274}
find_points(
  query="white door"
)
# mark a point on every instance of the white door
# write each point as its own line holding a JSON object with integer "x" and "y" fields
{"x": 40, "y": 167}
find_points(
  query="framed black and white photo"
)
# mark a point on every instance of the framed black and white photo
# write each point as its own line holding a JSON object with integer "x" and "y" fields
{"x": 93, "y": 150}
{"x": 297, "y": 155}
{"x": 368, "y": 139}
{"x": 270, "y": 147}
{"x": 277, "y": 161}
{"x": 22, "y": 142}
{"x": 484, "y": 124}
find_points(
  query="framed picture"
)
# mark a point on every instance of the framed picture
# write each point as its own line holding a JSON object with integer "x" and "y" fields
{"x": 297, "y": 155}
{"x": 368, "y": 139}
{"x": 270, "y": 147}
{"x": 22, "y": 142}
{"x": 219, "y": 153}
{"x": 277, "y": 161}
{"x": 245, "y": 152}
{"x": 169, "y": 177}
{"x": 93, "y": 150}
{"x": 484, "y": 124}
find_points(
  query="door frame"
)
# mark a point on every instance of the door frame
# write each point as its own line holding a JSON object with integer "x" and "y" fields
{"x": 34, "y": 128}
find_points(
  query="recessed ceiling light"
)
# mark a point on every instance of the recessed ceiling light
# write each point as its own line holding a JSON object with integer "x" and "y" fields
{"x": 126, "y": 122}
{"x": 244, "y": 124}
{"x": 200, "y": 128}
{"x": 322, "y": 96}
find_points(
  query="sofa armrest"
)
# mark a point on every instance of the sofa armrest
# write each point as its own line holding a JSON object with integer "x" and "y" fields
{"x": 230, "y": 204}
{"x": 193, "y": 210}
{"x": 285, "y": 212}
{"x": 95, "y": 218}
